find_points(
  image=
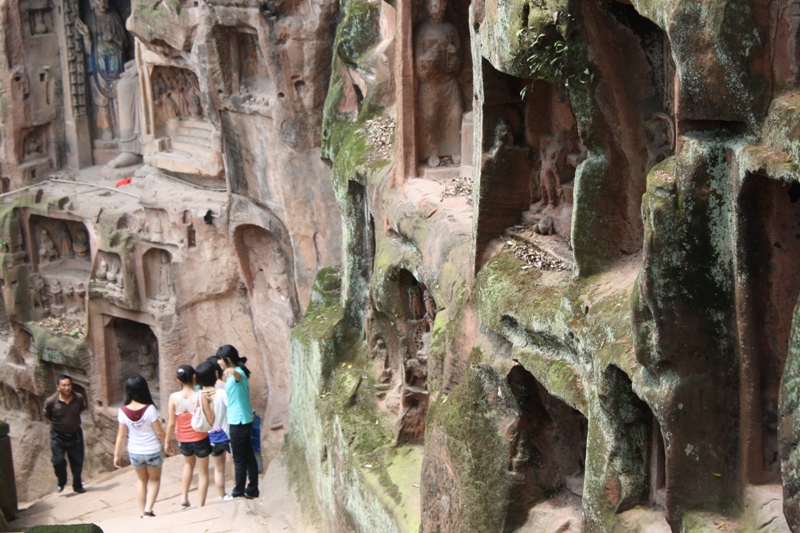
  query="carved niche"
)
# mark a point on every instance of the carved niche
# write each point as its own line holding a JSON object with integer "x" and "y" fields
{"x": 158, "y": 274}
{"x": 185, "y": 141}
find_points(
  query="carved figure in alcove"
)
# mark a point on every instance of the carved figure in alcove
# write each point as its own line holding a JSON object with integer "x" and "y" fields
{"x": 69, "y": 291}
{"x": 113, "y": 272}
{"x": 81, "y": 244}
{"x": 660, "y": 138}
{"x": 64, "y": 241}
{"x": 415, "y": 302}
{"x": 147, "y": 362}
{"x": 195, "y": 108}
{"x": 56, "y": 294}
{"x": 439, "y": 107}
{"x": 129, "y": 119}
{"x": 430, "y": 305}
{"x": 381, "y": 353}
{"x": 102, "y": 270}
{"x": 38, "y": 25}
{"x": 32, "y": 146}
{"x": 164, "y": 277}
{"x": 104, "y": 41}
{"x": 80, "y": 292}
{"x": 172, "y": 109}
{"x": 47, "y": 250}
{"x": 549, "y": 179}
{"x": 155, "y": 228}
{"x": 36, "y": 285}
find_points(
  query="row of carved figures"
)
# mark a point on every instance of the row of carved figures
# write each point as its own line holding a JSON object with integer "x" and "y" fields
{"x": 178, "y": 92}
{"x": 67, "y": 246}
{"x": 54, "y": 297}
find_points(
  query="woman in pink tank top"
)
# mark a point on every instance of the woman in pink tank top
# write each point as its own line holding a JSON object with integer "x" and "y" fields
{"x": 193, "y": 445}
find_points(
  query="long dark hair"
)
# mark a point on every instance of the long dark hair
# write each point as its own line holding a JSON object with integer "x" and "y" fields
{"x": 137, "y": 390}
{"x": 231, "y": 357}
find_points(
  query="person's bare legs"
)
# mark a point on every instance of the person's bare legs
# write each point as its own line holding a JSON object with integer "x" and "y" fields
{"x": 219, "y": 473}
{"x": 153, "y": 486}
{"x": 141, "y": 487}
{"x": 186, "y": 480}
{"x": 202, "y": 481}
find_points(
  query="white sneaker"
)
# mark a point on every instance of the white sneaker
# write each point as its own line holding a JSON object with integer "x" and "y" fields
{"x": 228, "y": 497}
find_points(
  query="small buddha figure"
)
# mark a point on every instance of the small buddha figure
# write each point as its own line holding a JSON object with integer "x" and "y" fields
{"x": 113, "y": 272}
{"x": 195, "y": 108}
{"x": 47, "y": 249}
{"x": 36, "y": 285}
{"x": 64, "y": 241}
{"x": 102, "y": 270}
{"x": 80, "y": 292}
{"x": 81, "y": 244}
{"x": 56, "y": 294}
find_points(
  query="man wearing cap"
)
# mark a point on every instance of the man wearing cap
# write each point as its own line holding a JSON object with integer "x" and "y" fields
{"x": 63, "y": 409}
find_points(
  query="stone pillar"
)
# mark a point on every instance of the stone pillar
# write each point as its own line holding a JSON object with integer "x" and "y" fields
{"x": 406, "y": 157}
{"x": 8, "y": 485}
{"x": 76, "y": 119}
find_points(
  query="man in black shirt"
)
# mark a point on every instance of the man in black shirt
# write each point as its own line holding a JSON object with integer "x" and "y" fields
{"x": 63, "y": 409}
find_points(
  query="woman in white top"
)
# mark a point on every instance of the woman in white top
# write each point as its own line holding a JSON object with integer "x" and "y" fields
{"x": 139, "y": 422}
{"x": 208, "y": 374}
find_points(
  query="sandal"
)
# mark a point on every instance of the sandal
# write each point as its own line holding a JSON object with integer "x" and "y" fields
{"x": 150, "y": 514}
{"x": 186, "y": 505}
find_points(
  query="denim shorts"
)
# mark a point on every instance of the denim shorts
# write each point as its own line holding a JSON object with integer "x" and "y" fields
{"x": 220, "y": 447}
{"x": 201, "y": 448}
{"x": 153, "y": 460}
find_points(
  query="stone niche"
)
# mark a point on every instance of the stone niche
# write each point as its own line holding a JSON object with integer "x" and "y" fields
{"x": 158, "y": 274}
{"x": 247, "y": 97}
{"x": 548, "y": 449}
{"x": 108, "y": 277}
{"x": 769, "y": 217}
{"x": 131, "y": 348}
{"x": 633, "y": 129}
{"x": 416, "y": 312}
{"x": 183, "y": 140}
{"x": 36, "y": 152}
{"x": 247, "y": 85}
{"x": 62, "y": 259}
{"x": 530, "y": 152}
{"x": 442, "y": 101}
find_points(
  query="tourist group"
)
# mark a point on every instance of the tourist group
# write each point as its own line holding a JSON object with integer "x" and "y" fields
{"x": 210, "y": 416}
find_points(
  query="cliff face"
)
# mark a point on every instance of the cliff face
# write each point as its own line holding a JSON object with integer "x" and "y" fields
{"x": 566, "y": 298}
{"x": 496, "y": 266}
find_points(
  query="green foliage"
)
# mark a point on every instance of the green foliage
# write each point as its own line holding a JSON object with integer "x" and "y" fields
{"x": 550, "y": 57}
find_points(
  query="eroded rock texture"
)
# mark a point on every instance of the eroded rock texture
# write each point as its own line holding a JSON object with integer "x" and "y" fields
{"x": 539, "y": 256}
{"x": 608, "y": 252}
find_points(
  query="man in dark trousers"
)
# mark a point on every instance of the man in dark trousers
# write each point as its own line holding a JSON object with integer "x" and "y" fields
{"x": 63, "y": 409}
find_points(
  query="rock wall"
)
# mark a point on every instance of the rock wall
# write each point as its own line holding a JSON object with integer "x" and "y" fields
{"x": 561, "y": 240}
{"x": 143, "y": 232}
{"x": 580, "y": 311}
